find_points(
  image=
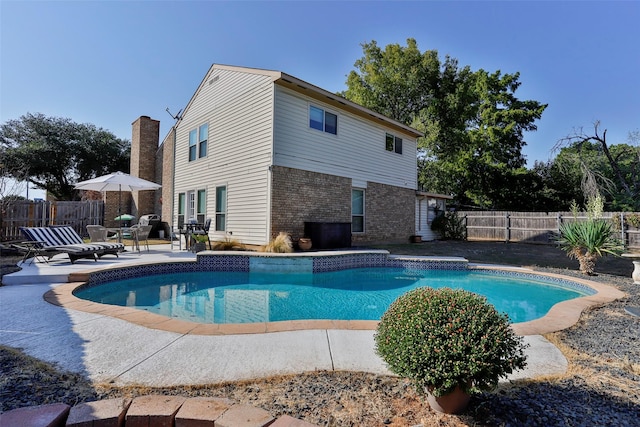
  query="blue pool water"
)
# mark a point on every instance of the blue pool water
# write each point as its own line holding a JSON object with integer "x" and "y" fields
{"x": 356, "y": 294}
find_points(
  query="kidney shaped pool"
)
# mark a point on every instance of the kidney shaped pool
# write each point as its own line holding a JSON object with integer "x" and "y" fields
{"x": 352, "y": 294}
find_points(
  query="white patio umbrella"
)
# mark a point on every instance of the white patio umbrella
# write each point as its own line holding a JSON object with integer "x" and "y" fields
{"x": 117, "y": 181}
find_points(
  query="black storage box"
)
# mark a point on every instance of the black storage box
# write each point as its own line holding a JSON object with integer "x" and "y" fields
{"x": 328, "y": 235}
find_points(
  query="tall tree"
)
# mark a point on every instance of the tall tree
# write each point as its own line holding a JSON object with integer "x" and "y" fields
{"x": 473, "y": 123}
{"x": 54, "y": 153}
{"x": 609, "y": 169}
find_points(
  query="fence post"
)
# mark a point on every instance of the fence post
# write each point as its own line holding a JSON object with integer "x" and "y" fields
{"x": 622, "y": 230}
{"x": 507, "y": 229}
{"x": 466, "y": 230}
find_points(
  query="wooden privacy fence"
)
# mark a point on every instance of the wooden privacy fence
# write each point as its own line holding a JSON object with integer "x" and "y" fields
{"x": 536, "y": 227}
{"x": 42, "y": 214}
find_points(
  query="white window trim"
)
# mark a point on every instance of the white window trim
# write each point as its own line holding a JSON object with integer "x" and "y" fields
{"x": 395, "y": 138}
{"x": 225, "y": 212}
{"x": 364, "y": 212}
{"x": 325, "y": 110}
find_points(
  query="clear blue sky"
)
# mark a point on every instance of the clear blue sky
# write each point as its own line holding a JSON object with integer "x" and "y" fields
{"x": 109, "y": 62}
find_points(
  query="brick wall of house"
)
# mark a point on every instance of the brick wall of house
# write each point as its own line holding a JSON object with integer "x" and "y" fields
{"x": 389, "y": 214}
{"x": 144, "y": 144}
{"x": 298, "y": 196}
{"x": 164, "y": 157}
{"x": 111, "y": 206}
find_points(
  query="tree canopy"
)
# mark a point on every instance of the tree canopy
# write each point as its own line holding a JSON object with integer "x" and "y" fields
{"x": 598, "y": 167}
{"x": 54, "y": 153}
{"x": 473, "y": 123}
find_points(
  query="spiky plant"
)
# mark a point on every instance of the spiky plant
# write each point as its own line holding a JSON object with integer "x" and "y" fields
{"x": 588, "y": 240}
{"x": 281, "y": 244}
{"x": 227, "y": 244}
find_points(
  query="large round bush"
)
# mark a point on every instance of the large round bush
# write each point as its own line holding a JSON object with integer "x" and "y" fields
{"x": 443, "y": 338}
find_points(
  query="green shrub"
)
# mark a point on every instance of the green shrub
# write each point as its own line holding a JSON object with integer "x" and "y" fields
{"x": 443, "y": 338}
{"x": 450, "y": 226}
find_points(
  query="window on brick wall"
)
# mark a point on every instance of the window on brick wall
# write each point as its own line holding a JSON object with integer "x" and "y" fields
{"x": 357, "y": 210}
{"x": 393, "y": 143}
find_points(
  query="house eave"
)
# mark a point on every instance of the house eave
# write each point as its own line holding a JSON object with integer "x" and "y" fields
{"x": 315, "y": 92}
{"x": 425, "y": 194}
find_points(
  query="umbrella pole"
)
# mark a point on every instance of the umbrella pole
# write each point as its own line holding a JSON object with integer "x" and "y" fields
{"x": 120, "y": 212}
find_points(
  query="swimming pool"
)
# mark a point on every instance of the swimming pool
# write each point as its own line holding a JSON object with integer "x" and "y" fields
{"x": 236, "y": 297}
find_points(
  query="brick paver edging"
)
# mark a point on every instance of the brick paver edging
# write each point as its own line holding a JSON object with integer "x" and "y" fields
{"x": 148, "y": 411}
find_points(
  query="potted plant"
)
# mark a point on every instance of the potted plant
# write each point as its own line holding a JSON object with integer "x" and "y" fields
{"x": 304, "y": 243}
{"x": 450, "y": 343}
{"x": 201, "y": 240}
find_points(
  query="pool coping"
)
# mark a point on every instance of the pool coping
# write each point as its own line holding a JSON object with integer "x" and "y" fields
{"x": 561, "y": 316}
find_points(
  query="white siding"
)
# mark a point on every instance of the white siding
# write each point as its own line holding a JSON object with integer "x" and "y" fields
{"x": 357, "y": 151}
{"x": 239, "y": 108}
{"x": 424, "y": 217}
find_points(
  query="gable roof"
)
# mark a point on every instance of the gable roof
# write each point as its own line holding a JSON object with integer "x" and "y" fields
{"x": 317, "y": 93}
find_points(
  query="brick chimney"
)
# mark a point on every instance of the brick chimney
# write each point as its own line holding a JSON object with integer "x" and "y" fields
{"x": 144, "y": 144}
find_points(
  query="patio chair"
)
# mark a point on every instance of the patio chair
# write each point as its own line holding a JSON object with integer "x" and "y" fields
{"x": 140, "y": 233}
{"x": 44, "y": 243}
{"x": 204, "y": 231}
{"x": 69, "y": 236}
{"x": 97, "y": 233}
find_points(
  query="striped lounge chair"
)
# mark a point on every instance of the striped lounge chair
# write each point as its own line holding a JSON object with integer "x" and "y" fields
{"x": 69, "y": 236}
{"x": 46, "y": 243}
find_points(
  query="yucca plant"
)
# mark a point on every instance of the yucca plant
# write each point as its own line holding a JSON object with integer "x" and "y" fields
{"x": 588, "y": 240}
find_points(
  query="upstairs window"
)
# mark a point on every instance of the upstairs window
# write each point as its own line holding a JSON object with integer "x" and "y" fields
{"x": 393, "y": 143}
{"x": 198, "y": 142}
{"x": 323, "y": 120}
{"x": 203, "y": 136}
{"x": 193, "y": 139}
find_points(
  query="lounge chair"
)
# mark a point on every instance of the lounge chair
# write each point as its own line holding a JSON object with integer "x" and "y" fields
{"x": 69, "y": 236}
{"x": 43, "y": 242}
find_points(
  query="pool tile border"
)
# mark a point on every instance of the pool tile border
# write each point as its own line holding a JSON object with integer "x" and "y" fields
{"x": 561, "y": 315}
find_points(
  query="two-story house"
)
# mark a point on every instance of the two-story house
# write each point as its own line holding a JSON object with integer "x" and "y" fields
{"x": 262, "y": 152}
